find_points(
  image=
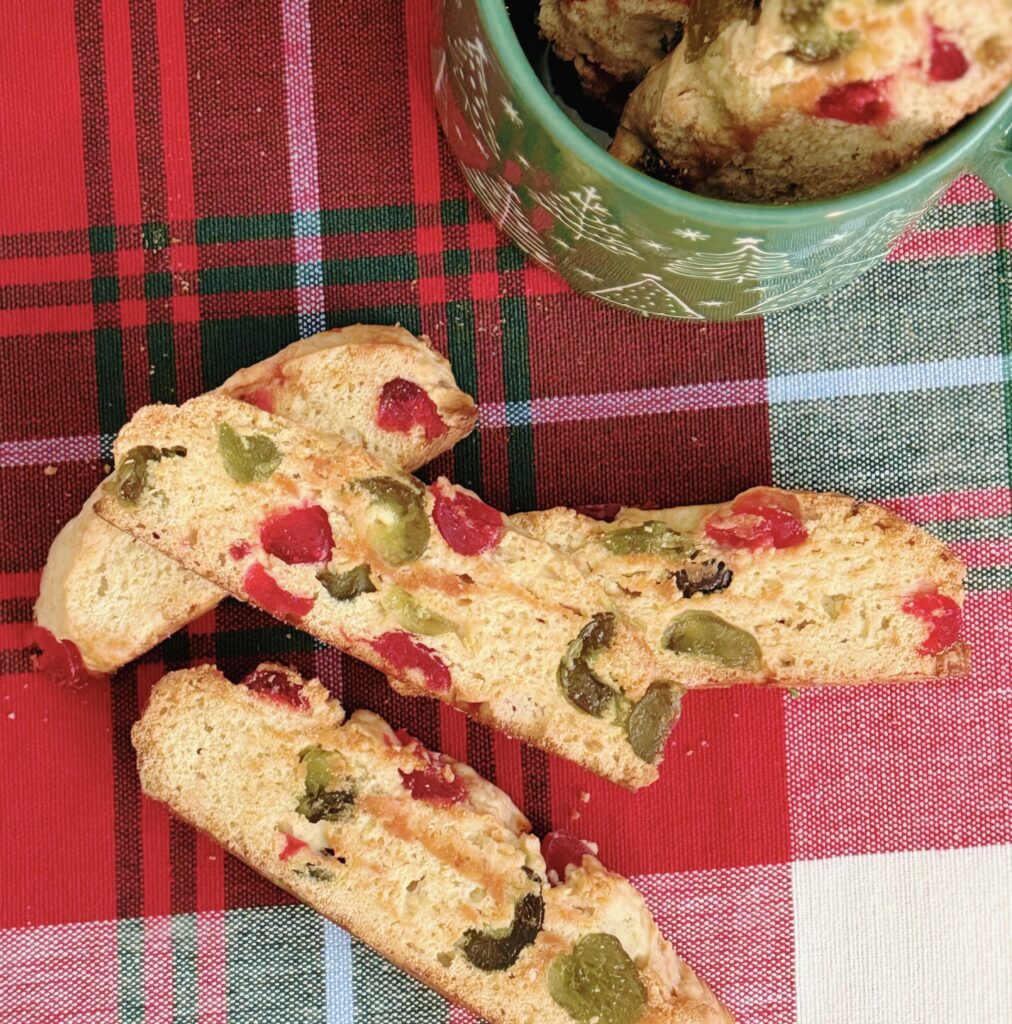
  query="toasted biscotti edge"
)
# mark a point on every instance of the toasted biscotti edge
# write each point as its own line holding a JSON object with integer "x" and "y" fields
{"x": 197, "y": 720}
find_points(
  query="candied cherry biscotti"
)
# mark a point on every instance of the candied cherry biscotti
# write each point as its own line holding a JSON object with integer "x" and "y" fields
{"x": 781, "y": 587}
{"x": 105, "y": 599}
{"x": 428, "y": 584}
{"x": 412, "y": 852}
{"x": 800, "y": 99}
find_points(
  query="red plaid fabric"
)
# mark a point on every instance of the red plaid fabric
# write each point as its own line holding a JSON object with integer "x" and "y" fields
{"x": 188, "y": 186}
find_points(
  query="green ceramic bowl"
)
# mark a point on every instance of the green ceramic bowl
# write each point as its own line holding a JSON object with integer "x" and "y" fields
{"x": 629, "y": 240}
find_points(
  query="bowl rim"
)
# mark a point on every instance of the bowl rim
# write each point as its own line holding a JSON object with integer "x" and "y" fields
{"x": 955, "y": 152}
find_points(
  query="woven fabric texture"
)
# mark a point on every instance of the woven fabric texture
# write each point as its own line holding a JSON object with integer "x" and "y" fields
{"x": 188, "y": 185}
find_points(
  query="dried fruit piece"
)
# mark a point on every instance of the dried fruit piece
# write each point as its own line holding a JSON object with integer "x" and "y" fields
{"x": 132, "y": 472}
{"x": 703, "y": 577}
{"x": 300, "y": 536}
{"x": 254, "y": 457}
{"x": 650, "y": 720}
{"x": 597, "y": 981}
{"x": 293, "y": 845}
{"x": 466, "y": 523}
{"x": 704, "y": 635}
{"x": 399, "y": 528}
{"x": 489, "y": 951}
{"x": 261, "y": 587}
{"x": 415, "y": 617}
{"x": 649, "y": 538}
{"x": 404, "y": 405}
{"x": 943, "y": 615}
{"x": 815, "y": 42}
{"x": 948, "y": 62}
{"x": 856, "y": 103}
{"x": 405, "y": 656}
{"x": 321, "y": 801}
{"x": 277, "y": 686}
{"x": 347, "y": 585}
{"x": 59, "y": 660}
{"x": 759, "y": 517}
{"x": 581, "y": 685}
{"x": 561, "y": 850}
{"x": 262, "y": 397}
{"x": 437, "y": 782}
{"x": 708, "y": 18}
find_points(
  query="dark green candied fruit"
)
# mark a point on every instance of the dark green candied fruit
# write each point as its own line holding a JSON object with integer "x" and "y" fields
{"x": 320, "y": 802}
{"x": 650, "y": 720}
{"x": 578, "y": 681}
{"x": 494, "y": 950}
{"x": 815, "y": 41}
{"x": 704, "y": 635}
{"x": 414, "y": 616}
{"x": 708, "y": 18}
{"x": 347, "y": 585}
{"x": 132, "y": 472}
{"x": 399, "y": 529}
{"x": 246, "y": 459}
{"x": 597, "y": 981}
{"x": 649, "y": 538}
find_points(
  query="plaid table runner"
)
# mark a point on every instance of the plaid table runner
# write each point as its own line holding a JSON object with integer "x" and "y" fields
{"x": 186, "y": 186}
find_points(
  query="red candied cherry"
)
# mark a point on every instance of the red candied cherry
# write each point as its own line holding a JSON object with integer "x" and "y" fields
{"x": 948, "y": 62}
{"x": 759, "y": 517}
{"x": 240, "y": 549}
{"x": 264, "y": 589}
{"x": 436, "y": 783}
{"x": 300, "y": 536}
{"x": 293, "y": 845}
{"x": 403, "y": 654}
{"x": 404, "y": 405}
{"x": 560, "y": 850}
{"x": 59, "y": 660}
{"x": 856, "y": 103}
{"x": 277, "y": 686}
{"x": 465, "y": 522}
{"x": 942, "y": 614}
{"x": 262, "y": 397}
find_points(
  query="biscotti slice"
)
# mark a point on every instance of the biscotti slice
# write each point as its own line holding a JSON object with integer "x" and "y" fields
{"x": 800, "y": 100}
{"x": 105, "y": 599}
{"x": 428, "y": 584}
{"x": 412, "y": 852}
{"x": 612, "y": 42}
{"x": 782, "y": 587}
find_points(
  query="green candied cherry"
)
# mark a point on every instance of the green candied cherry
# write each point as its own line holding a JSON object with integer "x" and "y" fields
{"x": 815, "y": 42}
{"x": 597, "y": 981}
{"x": 650, "y": 538}
{"x": 650, "y": 719}
{"x": 706, "y": 635}
{"x": 347, "y": 585}
{"x": 414, "y": 616}
{"x": 249, "y": 458}
{"x": 578, "y": 680}
{"x": 708, "y": 18}
{"x": 321, "y": 800}
{"x": 399, "y": 528}
{"x": 132, "y": 472}
{"x": 498, "y": 948}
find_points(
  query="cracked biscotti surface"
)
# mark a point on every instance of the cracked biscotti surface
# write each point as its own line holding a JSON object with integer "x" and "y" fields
{"x": 782, "y": 587}
{"x": 428, "y": 584}
{"x": 412, "y": 852}
{"x": 114, "y": 598}
{"x": 801, "y": 99}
